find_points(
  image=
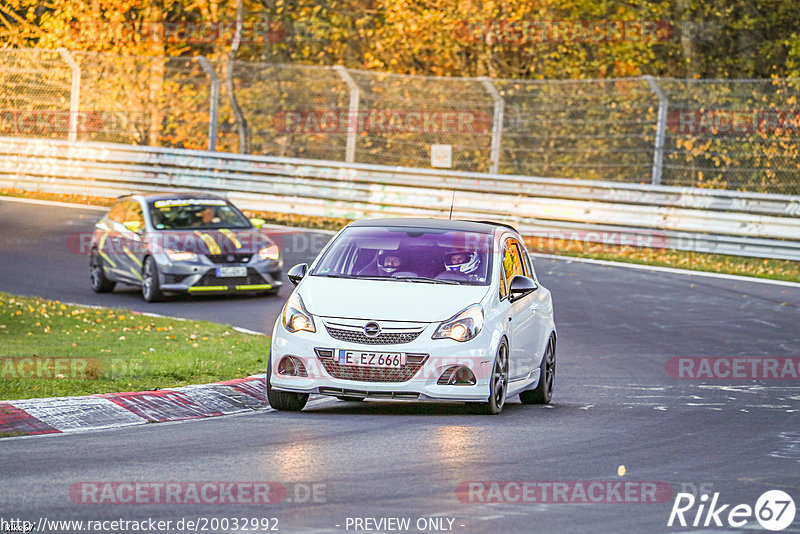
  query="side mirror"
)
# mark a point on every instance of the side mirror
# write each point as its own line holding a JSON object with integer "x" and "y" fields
{"x": 258, "y": 223}
{"x": 133, "y": 226}
{"x": 297, "y": 273}
{"x": 521, "y": 286}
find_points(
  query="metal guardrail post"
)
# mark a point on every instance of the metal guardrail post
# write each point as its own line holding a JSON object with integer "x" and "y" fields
{"x": 352, "y": 125}
{"x": 497, "y": 123}
{"x": 661, "y": 126}
{"x": 75, "y": 93}
{"x": 213, "y": 105}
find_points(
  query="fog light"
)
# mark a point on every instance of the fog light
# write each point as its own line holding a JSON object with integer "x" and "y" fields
{"x": 292, "y": 366}
{"x": 457, "y": 375}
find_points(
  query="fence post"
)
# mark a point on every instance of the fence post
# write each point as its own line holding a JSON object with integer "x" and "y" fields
{"x": 75, "y": 93}
{"x": 661, "y": 126}
{"x": 497, "y": 123}
{"x": 213, "y": 105}
{"x": 352, "y": 123}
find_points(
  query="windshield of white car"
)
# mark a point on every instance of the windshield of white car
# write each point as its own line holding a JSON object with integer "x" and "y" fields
{"x": 412, "y": 255}
{"x": 196, "y": 214}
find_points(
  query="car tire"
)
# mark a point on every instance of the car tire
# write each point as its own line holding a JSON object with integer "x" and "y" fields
{"x": 151, "y": 289}
{"x": 543, "y": 392}
{"x": 284, "y": 401}
{"x": 498, "y": 384}
{"x": 350, "y": 399}
{"x": 97, "y": 273}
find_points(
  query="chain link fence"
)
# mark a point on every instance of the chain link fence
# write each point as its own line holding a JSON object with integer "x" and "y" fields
{"x": 592, "y": 129}
{"x": 35, "y": 91}
{"x": 742, "y": 134}
{"x": 724, "y": 134}
{"x": 400, "y": 117}
{"x": 138, "y": 100}
{"x": 271, "y": 97}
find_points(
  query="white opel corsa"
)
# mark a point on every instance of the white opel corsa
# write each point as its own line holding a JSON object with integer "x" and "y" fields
{"x": 416, "y": 309}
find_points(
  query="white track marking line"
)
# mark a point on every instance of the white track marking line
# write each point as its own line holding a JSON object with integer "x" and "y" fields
{"x": 672, "y": 270}
{"x": 248, "y": 331}
{"x": 54, "y": 203}
{"x": 151, "y": 314}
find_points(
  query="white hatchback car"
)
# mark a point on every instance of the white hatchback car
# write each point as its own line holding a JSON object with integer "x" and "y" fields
{"x": 416, "y": 309}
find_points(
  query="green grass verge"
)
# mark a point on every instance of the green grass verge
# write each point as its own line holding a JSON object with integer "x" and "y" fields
{"x": 75, "y": 350}
{"x": 677, "y": 259}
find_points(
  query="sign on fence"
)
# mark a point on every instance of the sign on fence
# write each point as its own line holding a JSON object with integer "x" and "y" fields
{"x": 442, "y": 156}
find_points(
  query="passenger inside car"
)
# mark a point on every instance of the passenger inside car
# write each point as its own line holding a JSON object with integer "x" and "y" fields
{"x": 206, "y": 216}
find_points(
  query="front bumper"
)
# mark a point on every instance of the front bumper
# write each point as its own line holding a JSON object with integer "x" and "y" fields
{"x": 200, "y": 276}
{"x": 437, "y": 355}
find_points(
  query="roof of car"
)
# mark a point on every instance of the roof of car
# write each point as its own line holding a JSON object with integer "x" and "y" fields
{"x": 151, "y": 197}
{"x": 485, "y": 227}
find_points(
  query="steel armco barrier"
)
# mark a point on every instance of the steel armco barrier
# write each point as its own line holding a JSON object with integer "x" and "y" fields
{"x": 701, "y": 220}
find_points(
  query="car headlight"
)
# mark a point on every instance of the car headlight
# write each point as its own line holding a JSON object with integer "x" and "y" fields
{"x": 270, "y": 252}
{"x": 176, "y": 255}
{"x": 463, "y": 326}
{"x": 295, "y": 317}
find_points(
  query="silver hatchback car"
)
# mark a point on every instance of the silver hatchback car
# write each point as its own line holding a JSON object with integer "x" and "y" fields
{"x": 183, "y": 243}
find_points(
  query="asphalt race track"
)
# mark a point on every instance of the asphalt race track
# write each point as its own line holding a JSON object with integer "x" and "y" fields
{"x": 615, "y": 404}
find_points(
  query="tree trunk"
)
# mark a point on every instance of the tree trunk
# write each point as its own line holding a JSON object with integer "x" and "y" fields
{"x": 157, "y": 70}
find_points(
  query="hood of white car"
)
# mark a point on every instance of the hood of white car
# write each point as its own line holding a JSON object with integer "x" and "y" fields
{"x": 387, "y": 300}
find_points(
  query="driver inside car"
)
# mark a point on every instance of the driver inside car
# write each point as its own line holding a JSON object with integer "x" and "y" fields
{"x": 386, "y": 263}
{"x": 206, "y": 216}
{"x": 465, "y": 262}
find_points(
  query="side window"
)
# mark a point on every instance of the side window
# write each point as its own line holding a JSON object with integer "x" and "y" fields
{"x": 526, "y": 261}
{"x": 117, "y": 213}
{"x": 503, "y": 287}
{"x": 512, "y": 266}
{"x": 134, "y": 213}
{"x": 512, "y": 260}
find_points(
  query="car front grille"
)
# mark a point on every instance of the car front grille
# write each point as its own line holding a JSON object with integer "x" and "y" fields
{"x": 340, "y": 392}
{"x": 384, "y": 338}
{"x": 229, "y": 258}
{"x": 211, "y": 279}
{"x": 371, "y": 374}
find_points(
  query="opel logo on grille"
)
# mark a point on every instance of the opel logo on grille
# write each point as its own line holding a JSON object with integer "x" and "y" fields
{"x": 372, "y": 329}
{"x": 230, "y": 258}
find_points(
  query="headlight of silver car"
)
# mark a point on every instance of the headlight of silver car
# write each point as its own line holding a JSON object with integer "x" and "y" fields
{"x": 463, "y": 326}
{"x": 270, "y": 252}
{"x": 295, "y": 317}
{"x": 176, "y": 255}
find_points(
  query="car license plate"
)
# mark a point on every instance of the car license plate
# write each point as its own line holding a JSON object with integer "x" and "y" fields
{"x": 390, "y": 360}
{"x": 227, "y": 272}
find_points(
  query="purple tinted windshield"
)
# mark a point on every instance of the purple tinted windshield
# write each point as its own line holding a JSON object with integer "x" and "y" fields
{"x": 397, "y": 252}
